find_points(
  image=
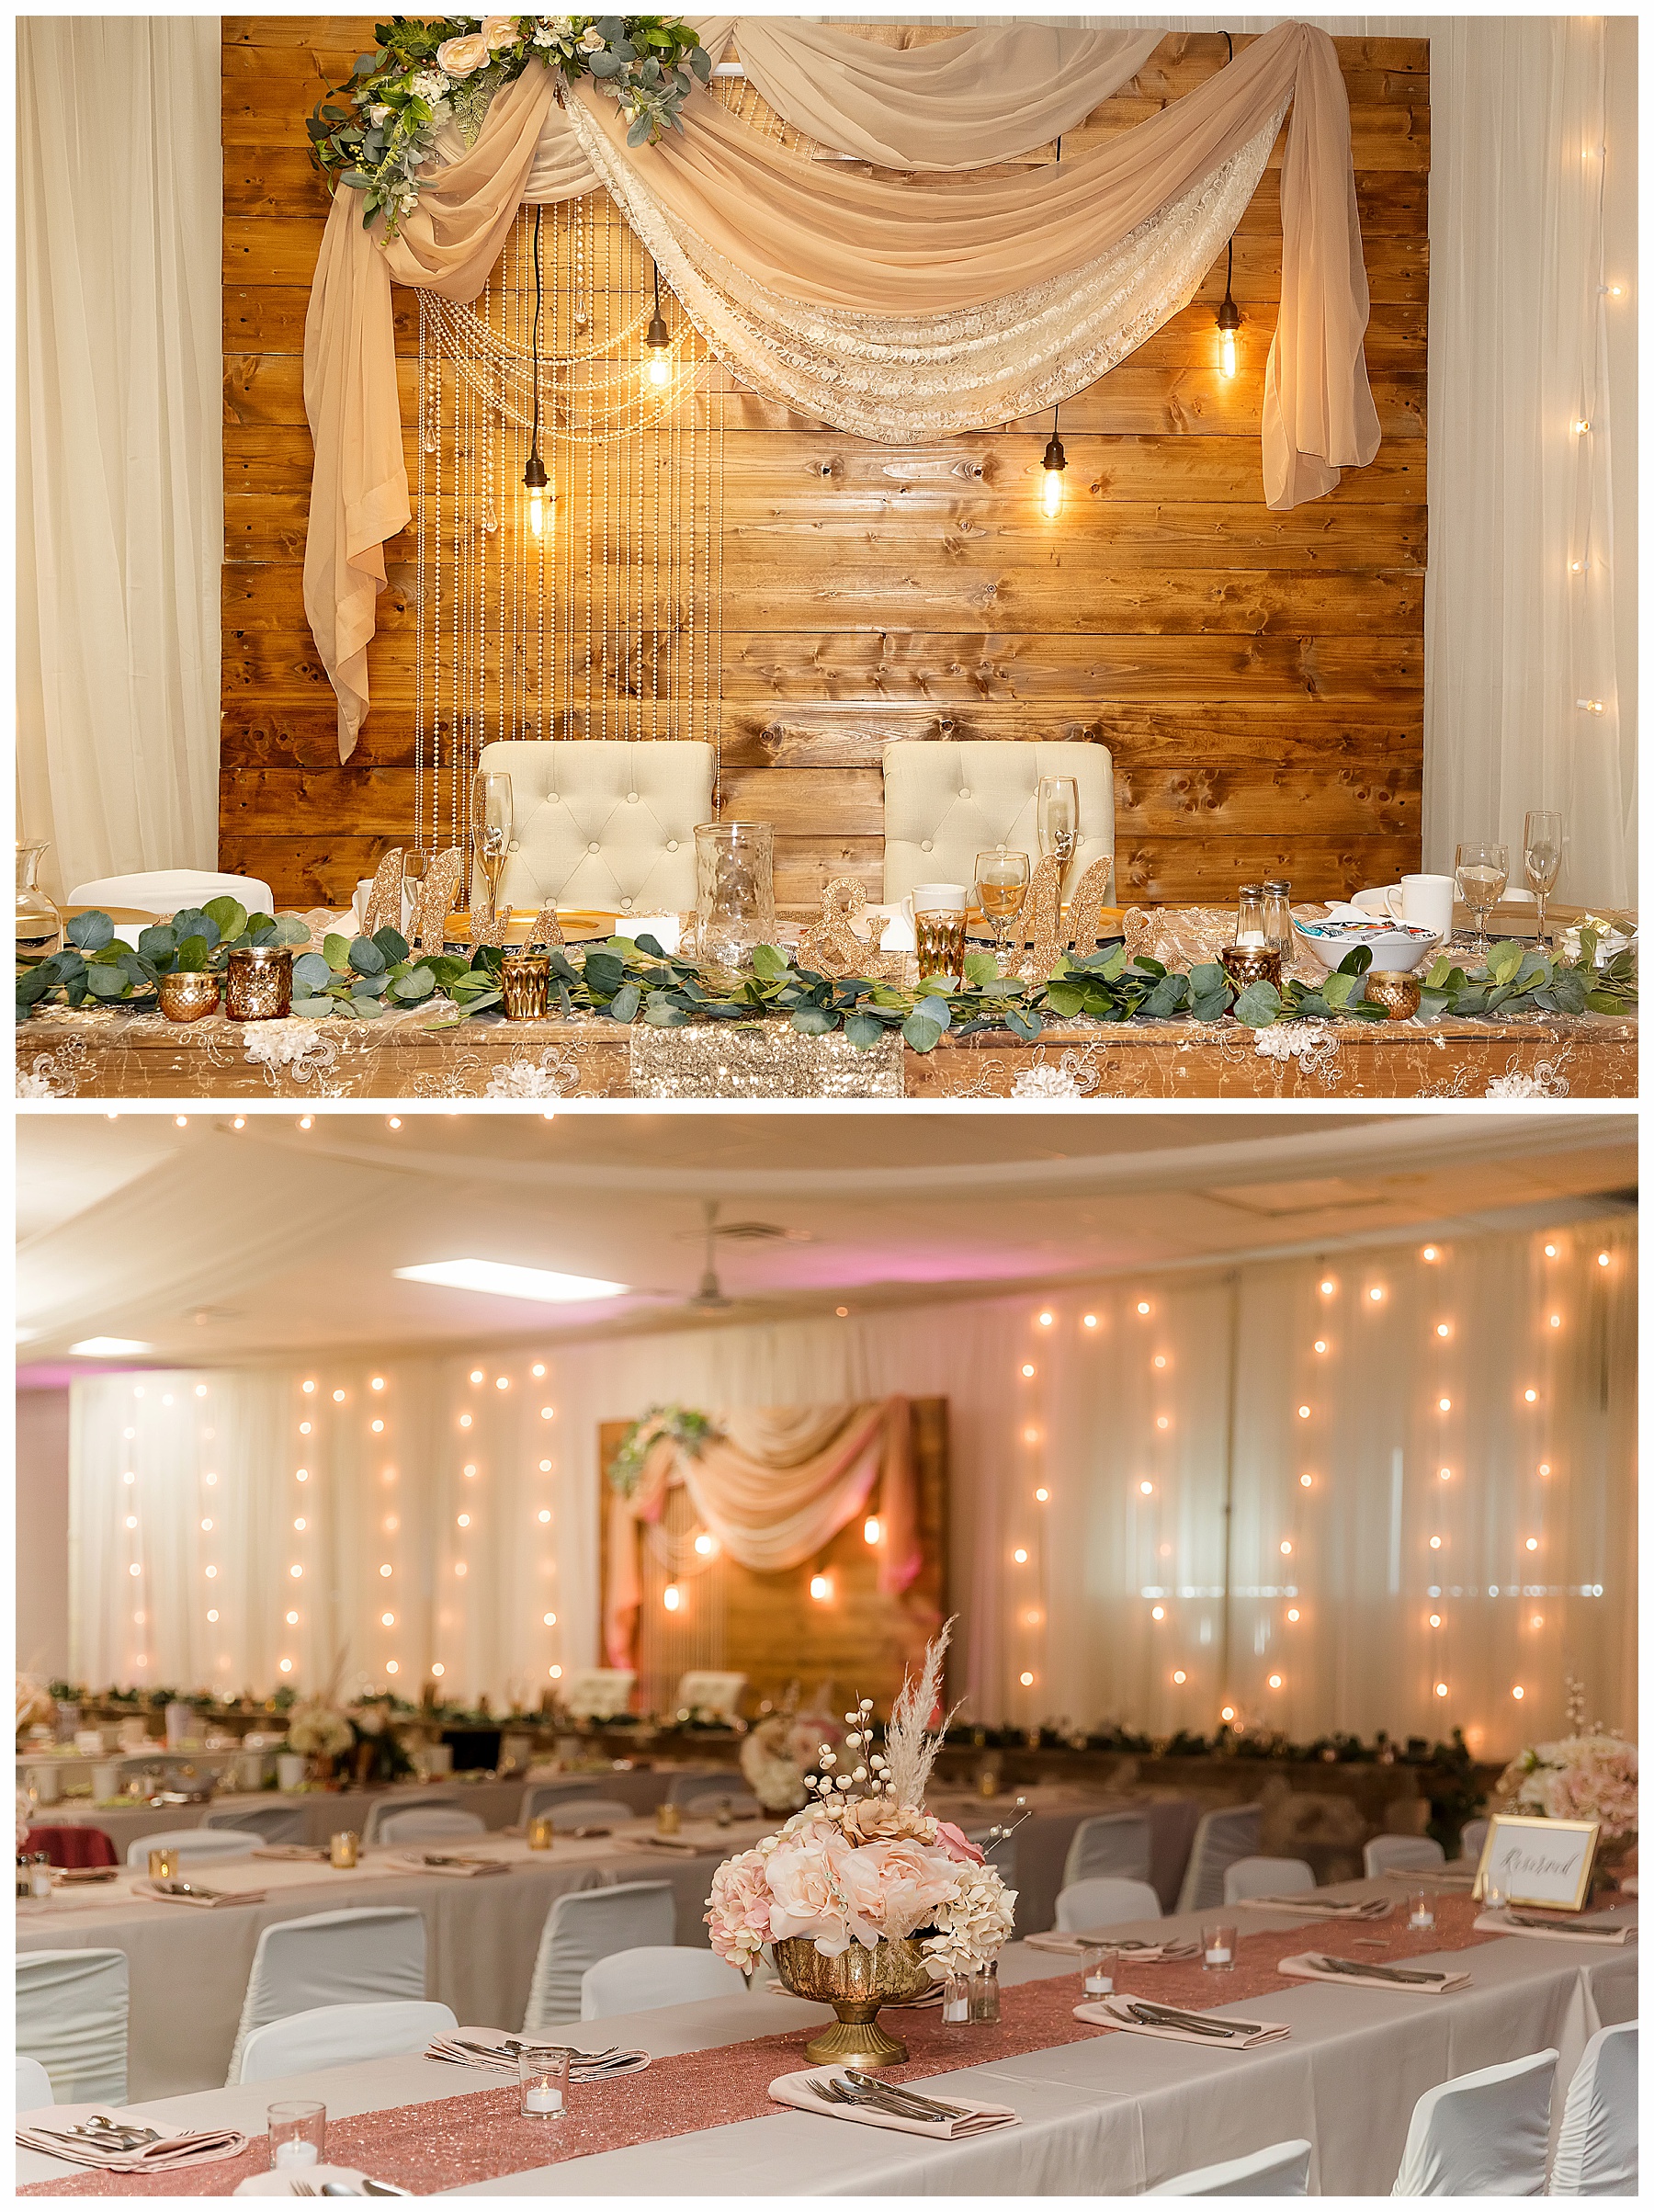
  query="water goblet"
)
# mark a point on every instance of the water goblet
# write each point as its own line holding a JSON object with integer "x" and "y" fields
{"x": 1542, "y": 859}
{"x": 1481, "y": 871}
{"x": 1057, "y": 818}
{"x": 1001, "y": 885}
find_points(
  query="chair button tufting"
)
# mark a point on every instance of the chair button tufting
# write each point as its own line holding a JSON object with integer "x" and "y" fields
{"x": 925, "y": 846}
{"x": 631, "y": 799}
{"x": 626, "y": 906}
{"x": 550, "y": 798}
{"x": 672, "y": 845}
{"x": 964, "y": 790}
{"x": 594, "y": 848}
{"x": 513, "y": 846}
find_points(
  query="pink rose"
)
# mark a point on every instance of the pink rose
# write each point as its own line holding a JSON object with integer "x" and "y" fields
{"x": 498, "y": 32}
{"x": 739, "y": 1909}
{"x": 463, "y": 57}
{"x": 802, "y": 1901}
{"x": 894, "y": 1887}
{"x": 957, "y": 1844}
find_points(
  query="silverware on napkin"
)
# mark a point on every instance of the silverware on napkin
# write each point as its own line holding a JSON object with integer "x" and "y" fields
{"x": 1373, "y": 1972}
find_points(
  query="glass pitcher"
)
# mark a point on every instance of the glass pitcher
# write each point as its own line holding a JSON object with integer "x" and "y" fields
{"x": 40, "y": 927}
{"x": 735, "y": 890}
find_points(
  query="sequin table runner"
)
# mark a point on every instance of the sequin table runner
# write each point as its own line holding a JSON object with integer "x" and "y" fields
{"x": 480, "y": 2136}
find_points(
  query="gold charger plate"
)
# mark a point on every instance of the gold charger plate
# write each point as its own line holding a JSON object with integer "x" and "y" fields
{"x": 580, "y": 926}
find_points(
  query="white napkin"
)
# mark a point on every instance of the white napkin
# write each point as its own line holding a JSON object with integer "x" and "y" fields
{"x": 46, "y": 2132}
{"x": 1409, "y": 1981}
{"x": 497, "y": 2053}
{"x": 972, "y": 2119}
{"x": 1511, "y": 1920}
{"x": 1136, "y": 1949}
{"x": 1178, "y": 2023}
{"x": 1456, "y": 1876}
{"x": 194, "y": 1894}
{"x": 1325, "y": 1908}
{"x": 446, "y": 1862}
{"x": 898, "y": 930}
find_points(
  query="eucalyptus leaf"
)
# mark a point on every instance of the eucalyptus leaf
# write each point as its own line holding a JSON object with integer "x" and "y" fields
{"x": 1356, "y": 961}
{"x": 335, "y": 951}
{"x": 816, "y": 1021}
{"x": 192, "y": 957}
{"x": 393, "y": 944}
{"x": 623, "y": 1007}
{"x": 1337, "y": 990}
{"x": 366, "y": 957}
{"x": 1258, "y": 1005}
{"x": 312, "y": 1009}
{"x": 935, "y": 1009}
{"x": 195, "y": 922}
{"x": 921, "y": 1032}
{"x": 311, "y": 972}
{"x": 864, "y": 1030}
{"x": 157, "y": 943}
{"x": 370, "y": 987}
{"x": 418, "y": 984}
{"x": 91, "y": 932}
{"x": 108, "y": 983}
{"x": 229, "y": 914}
{"x": 1504, "y": 961}
{"x": 770, "y": 963}
{"x": 980, "y": 968}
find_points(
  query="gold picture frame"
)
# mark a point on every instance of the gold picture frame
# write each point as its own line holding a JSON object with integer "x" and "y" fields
{"x": 1539, "y": 1828}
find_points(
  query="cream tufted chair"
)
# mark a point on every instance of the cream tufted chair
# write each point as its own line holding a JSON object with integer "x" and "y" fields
{"x": 944, "y": 803}
{"x": 603, "y": 823}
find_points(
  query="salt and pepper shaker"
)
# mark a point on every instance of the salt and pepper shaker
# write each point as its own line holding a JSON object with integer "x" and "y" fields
{"x": 955, "y": 2001}
{"x": 1277, "y": 915}
{"x": 1249, "y": 924}
{"x": 985, "y": 1993}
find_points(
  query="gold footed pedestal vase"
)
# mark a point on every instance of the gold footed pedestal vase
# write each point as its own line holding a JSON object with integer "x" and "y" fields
{"x": 855, "y": 1984}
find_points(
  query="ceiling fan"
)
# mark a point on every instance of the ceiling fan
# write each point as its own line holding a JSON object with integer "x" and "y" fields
{"x": 710, "y": 1296}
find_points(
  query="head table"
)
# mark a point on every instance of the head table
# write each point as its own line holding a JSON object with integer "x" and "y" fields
{"x": 111, "y": 1052}
{"x": 1101, "y": 2113}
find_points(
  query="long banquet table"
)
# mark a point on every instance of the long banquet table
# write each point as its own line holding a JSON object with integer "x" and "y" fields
{"x": 1105, "y": 2114}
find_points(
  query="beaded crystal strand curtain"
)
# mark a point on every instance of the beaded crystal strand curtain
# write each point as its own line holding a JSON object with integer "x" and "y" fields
{"x": 593, "y": 612}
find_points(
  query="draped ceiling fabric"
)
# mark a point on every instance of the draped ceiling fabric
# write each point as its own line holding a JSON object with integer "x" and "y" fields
{"x": 896, "y": 310}
{"x": 774, "y": 1486}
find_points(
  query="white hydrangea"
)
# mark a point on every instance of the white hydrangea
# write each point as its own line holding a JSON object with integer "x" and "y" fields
{"x": 429, "y": 85}
{"x": 975, "y": 1927}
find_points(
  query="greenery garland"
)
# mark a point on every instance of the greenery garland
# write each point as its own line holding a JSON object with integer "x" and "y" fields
{"x": 375, "y": 132}
{"x": 628, "y": 979}
{"x": 690, "y": 1431}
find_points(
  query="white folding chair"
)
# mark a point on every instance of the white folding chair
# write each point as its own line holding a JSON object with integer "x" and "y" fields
{"x": 1114, "y": 1843}
{"x": 705, "y": 1807}
{"x": 1266, "y": 1878}
{"x": 360, "y": 1955}
{"x": 389, "y": 1809}
{"x": 1483, "y": 2135}
{"x": 341, "y": 2035}
{"x": 192, "y": 1843}
{"x": 551, "y": 1796}
{"x": 1472, "y": 1836}
{"x": 1383, "y": 1851}
{"x": 72, "y": 2019}
{"x": 583, "y": 1926}
{"x": 34, "y": 2086}
{"x": 1220, "y": 1839}
{"x": 268, "y": 1823}
{"x": 1281, "y": 2171}
{"x": 1596, "y": 2144}
{"x": 163, "y": 891}
{"x": 641, "y": 1980}
{"x": 428, "y": 1825}
{"x": 587, "y": 1812}
{"x": 1102, "y": 1901}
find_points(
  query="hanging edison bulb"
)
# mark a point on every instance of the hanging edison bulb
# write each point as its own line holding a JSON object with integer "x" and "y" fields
{"x": 536, "y": 483}
{"x": 1228, "y": 323}
{"x": 1053, "y": 465}
{"x": 657, "y": 343}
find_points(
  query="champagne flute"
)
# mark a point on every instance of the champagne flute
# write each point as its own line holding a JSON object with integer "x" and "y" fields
{"x": 1542, "y": 858}
{"x": 491, "y": 828}
{"x": 1481, "y": 871}
{"x": 1056, "y": 815}
{"x": 1001, "y": 885}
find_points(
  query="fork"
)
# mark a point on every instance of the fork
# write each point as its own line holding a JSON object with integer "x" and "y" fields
{"x": 939, "y": 2108}
{"x": 1359, "y": 1966}
{"x": 1149, "y": 2016}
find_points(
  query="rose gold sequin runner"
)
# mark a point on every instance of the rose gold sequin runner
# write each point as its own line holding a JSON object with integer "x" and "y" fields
{"x": 480, "y": 2136}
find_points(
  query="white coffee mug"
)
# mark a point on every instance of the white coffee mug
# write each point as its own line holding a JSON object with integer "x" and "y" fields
{"x": 45, "y": 1781}
{"x": 1424, "y": 901}
{"x": 936, "y": 899}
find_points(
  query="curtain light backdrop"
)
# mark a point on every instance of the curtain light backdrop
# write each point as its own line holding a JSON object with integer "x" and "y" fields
{"x": 1418, "y": 1460}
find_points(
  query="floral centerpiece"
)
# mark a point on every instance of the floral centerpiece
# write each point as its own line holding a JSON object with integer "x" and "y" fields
{"x": 1590, "y": 1774}
{"x": 866, "y": 1897}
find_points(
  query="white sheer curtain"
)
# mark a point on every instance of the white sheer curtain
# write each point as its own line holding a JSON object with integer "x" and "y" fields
{"x": 120, "y": 445}
{"x": 469, "y": 1512}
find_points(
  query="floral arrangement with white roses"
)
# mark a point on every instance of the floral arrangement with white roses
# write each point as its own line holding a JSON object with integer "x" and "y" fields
{"x": 319, "y": 1730}
{"x": 1588, "y": 1775}
{"x": 865, "y": 1863}
{"x": 375, "y": 133}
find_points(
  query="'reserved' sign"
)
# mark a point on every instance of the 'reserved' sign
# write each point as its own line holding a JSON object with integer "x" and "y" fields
{"x": 1536, "y": 1862}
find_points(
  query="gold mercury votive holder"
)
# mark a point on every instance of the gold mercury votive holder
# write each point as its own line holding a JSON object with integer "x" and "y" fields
{"x": 1245, "y": 964}
{"x": 526, "y": 979}
{"x": 188, "y": 995}
{"x": 668, "y": 1820}
{"x": 342, "y": 1848}
{"x": 1399, "y": 995}
{"x": 258, "y": 984}
{"x": 163, "y": 1865}
{"x": 540, "y": 1833}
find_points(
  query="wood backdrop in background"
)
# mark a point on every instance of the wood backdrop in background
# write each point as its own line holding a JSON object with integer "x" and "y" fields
{"x": 1259, "y": 677}
{"x": 768, "y": 1628}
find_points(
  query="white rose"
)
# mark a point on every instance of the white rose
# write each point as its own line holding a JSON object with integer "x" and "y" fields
{"x": 591, "y": 40}
{"x": 381, "y": 114}
{"x": 463, "y": 57}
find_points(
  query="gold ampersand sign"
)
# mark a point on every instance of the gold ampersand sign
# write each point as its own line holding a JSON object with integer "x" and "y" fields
{"x": 831, "y": 946}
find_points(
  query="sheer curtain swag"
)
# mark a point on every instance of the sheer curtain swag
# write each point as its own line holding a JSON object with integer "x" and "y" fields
{"x": 895, "y": 309}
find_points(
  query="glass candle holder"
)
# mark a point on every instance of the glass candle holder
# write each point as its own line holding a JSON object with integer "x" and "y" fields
{"x": 939, "y": 943}
{"x": 258, "y": 984}
{"x": 987, "y": 1782}
{"x": 1097, "y": 1963}
{"x": 985, "y": 1993}
{"x": 543, "y": 2084}
{"x": 735, "y": 890}
{"x": 343, "y": 1847}
{"x": 1421, "y": 1909}
{"x": 163, "y": 1865}
{"x": 188, "y": 993}
{"x": 955, "y": 2001}
{"x": 669, "y": 1819}
{"x": 540, "y": 1833}
{"x": 526, "y": 979}
{"x": 297, "y": 2133}
{"x": 1400, "y": 996}
{"x": 1246, "y": 964}
{"x": 1217, "y": 1948}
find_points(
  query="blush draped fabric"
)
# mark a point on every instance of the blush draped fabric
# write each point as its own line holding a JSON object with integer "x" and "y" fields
{"x": 774, "y": 1486}
{"x": 897, "y": 309}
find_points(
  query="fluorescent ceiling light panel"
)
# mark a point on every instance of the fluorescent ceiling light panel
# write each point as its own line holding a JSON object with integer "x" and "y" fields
{"x": 498, "y": 1279}
{"x": 108, "y": 1348}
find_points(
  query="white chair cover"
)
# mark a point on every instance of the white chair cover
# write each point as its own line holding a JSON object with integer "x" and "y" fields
{"x": 71, "y": 2018}
{"x": 949, "y": 800}
{"x": 1102, "y": 1901}
{"x": 603, "y": 823}
{"x": 1384, "y": 1851}
{"x": 655, "y": 1974}
{"x": 163, "y": 891}
{"x": 582, "y": 1928}
{"x": 1220, "y": 1840}
{"x": 1483, "y": 2135}
{"x": 356, "y": 1957}
{"x": 1473, "y": 1835}
{"x": 1266, "y": 1878}
{"x": 383, "y": 1808}
{"x": 426, "y": 1824}
{"x": 267, "y": 1823}
{"x": 1114, "y": 1842}
{"x": 192, "y": 1843}
{"x": 1596, "y": 2145}
{"x": 547, "y": 1797}
{"x": 34, "y": 2086}
{"x": 589, "y": 1813}
{"x": 705, "y": 1807}
{"x": 1281, "y": 2171}
{"x": 342, "y": 2035}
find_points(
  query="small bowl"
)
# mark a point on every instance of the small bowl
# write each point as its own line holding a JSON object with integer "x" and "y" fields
{"x": 1399, "y": 994}
{"x": 187, "y": 994}
{"x": 1397, "y": 948}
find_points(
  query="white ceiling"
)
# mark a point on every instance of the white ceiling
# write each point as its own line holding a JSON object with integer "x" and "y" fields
{"x": 214, "y": 1244}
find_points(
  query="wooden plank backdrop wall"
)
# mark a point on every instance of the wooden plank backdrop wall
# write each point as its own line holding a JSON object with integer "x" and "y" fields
{"x": 1258, "y": 676}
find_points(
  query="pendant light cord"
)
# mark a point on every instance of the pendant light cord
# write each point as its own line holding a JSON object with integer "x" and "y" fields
{"x": 539, "y": 296}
